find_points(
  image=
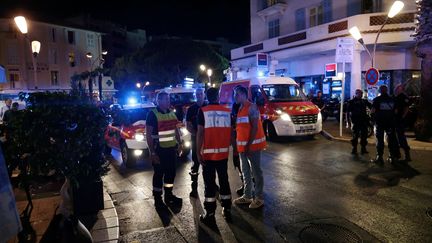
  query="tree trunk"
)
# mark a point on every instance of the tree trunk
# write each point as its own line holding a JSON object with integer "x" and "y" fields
{"x": 424, "y": 121}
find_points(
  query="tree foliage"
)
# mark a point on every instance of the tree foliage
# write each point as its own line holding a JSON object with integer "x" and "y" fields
{"x": 58, "y": 132}
{"x": 168, "y": 61}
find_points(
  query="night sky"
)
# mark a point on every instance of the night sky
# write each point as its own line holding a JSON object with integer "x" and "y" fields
{"x": 189, "y": 18}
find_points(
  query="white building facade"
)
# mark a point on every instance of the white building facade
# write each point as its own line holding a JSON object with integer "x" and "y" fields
{"x": 300, "y": 38}
{"x": 62, "y": 55}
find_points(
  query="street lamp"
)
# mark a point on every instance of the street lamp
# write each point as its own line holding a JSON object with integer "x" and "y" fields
{"x": 144, "y": 85}
{"x": 209, "y": 74}
{"x": 355, "y": 32}
{"x": 202, "y": 67}
{"x": 35, "y": 46}
{"x": 89, "y": 56}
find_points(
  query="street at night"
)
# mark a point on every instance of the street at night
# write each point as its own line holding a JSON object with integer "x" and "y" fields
{"x": 307, "y": 182}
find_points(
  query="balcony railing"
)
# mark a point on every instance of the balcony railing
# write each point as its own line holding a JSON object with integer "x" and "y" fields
{"x": 269, "y": 3}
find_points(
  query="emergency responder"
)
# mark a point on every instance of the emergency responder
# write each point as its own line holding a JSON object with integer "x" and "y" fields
{"x": 319, "y": 101}
{"x": 163, "y": 139}
{"x": 191, "y": 125}
{"x": 236, "y": 157}
{"x": 402, "y": 107}
{"x": 213, "y": 141}
{"x": 250, "y": 142}
{"x": 383, "y": 111}
{"x": 357, "y": 113}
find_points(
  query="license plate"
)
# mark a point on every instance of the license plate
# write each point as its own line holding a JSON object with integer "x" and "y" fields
{"x": 304, "y": 129}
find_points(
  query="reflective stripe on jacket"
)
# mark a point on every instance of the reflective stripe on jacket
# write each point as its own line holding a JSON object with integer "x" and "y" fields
{"x": 167, "y": 125}
{"x": 243, "y": 128}
{"x": 217, "y": 132}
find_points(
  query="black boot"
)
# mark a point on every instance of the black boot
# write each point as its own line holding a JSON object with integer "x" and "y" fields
{"x": 158, "y": 202}
{"x": 378, "y": 160}
{"x": 407, "y": 156}
{"x": 354, "y": 150}
{"x": 170, "y": 199}
{"x": 208, "y": 219}
{"x": 363, "y": 150}
{"x": 226, "y": 213}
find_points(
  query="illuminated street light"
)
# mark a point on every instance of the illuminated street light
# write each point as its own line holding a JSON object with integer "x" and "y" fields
{"x": 355, "y": 32}
{"x": 209, "y": 84}
{"x": 36, "y": 45}
{"x": 138, "y": 85}
{"x": 147, "y": 83}
{"x": 21, "y": 23}
{"x": 104, "y": 52}
{"x": 209, "y": 72}
{"x": 89, "y": 55}
{"x": 202, "y": 67}
{"x": 395, "y": 9}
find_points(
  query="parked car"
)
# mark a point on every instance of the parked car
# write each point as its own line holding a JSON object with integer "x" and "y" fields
{"x": 126, "y": 133}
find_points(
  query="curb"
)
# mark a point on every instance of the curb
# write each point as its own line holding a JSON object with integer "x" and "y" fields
{"x": 106, "y": 229}
{"x": 330, "y": 137}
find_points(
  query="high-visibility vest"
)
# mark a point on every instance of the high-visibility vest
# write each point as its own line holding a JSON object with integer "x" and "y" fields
{"x": 217, "y": 132}
{"x": 167, "y": 125}
{"x": 243, "y": 128}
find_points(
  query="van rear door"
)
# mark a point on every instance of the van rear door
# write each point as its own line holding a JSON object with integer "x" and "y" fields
{"x": 226, "y": 94}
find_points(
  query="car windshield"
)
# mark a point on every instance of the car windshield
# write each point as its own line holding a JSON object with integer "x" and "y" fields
{"x": 134, "y": 115}
{"x": 283, "y": 92}
{"x": 182, "y": 98}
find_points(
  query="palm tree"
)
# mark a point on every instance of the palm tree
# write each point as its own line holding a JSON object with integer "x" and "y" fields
{"x": 423, "y": 38}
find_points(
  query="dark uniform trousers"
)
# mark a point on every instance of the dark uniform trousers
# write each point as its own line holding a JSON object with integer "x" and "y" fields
{"x": 195, "y": 164}
{"x": 401, "y": 138}
{"x": 165, "y": 171}
{"x": 391, "y": 139}
{"x": 209, "y": 173}
{"x": 359, "y": 130}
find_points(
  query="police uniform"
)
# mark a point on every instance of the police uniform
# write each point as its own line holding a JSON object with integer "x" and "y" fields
{"x": 216, "y": 120}
{"x": 164, "y": 135}
{"x": 384, "y": 115}
{"x": 192, "y": 116}
{"x": 402, "y": 103}
{"x": 357, "y": 107}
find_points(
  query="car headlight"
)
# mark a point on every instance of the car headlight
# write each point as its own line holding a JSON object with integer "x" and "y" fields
{"x": 285, "y": 117}
{"x": 139, "y": 137}
{"x": 319, "y": 116}
{"x": 184, "y": 131}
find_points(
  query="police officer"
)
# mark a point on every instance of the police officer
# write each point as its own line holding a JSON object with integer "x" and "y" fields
{"x": 402, "y": 107}
{"x": 383, "y": 110}
{"x": 163, "y": 139}
{"x": 192, "y": 126}
{"x": 213, "y": 141}
{"x": 357, "y": 112}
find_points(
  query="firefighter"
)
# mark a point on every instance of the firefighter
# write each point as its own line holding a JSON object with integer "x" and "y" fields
{"x": 235, "y": 155}
{"x": 163, "y": 139}
{"x": 357, "y": 112}
{"x": 383, "y": 110}
{"x": 191, "y": 124}
{"x": 213, "y": 141}
{"x": 250, "y": 142}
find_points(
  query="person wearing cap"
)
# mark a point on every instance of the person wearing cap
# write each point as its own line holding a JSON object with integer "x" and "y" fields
{"x": 163, "y": 138}
{"x": 357, "y": 113}
{"x": 383, "y": 111}
{"x": 213, "y": 142}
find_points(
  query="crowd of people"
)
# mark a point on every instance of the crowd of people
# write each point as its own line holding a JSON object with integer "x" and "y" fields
{"x": 214, "y": 129}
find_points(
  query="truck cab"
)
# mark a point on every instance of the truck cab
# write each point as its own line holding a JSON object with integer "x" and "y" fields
{"x": 285, "y": 110}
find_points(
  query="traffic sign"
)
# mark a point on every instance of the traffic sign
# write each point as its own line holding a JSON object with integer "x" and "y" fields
{"x": 345, "y": 50}
{"x": 372, "y": 76}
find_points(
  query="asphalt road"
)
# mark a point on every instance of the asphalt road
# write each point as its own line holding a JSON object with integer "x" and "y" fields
{"x": 315, "y": 190}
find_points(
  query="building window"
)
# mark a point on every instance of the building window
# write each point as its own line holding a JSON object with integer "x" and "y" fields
{"x": 53, "y": 56}
{"x": 71, "y": 37}
{"x": 371, "y": 6}
{"x": 273, "y": 28}
{"x": 71, "y": 59}
{"x": 13, "y": 77}
{"x": 90, "y": 41}
{"x": 54, "y": 78}
{"x": 315, "y": 16}
{"x": 13, "y": 54}
{"x": 53, "y": 35}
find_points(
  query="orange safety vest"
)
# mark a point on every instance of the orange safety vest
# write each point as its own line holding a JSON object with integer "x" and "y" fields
{"x": 217, "y": 132}
{"x": 243, "y": 128}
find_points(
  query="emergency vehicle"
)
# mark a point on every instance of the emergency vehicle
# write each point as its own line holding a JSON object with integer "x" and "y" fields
{"x": 180, "y": 98}
{"x": 285, "y": 110}
{"x": 126, "y": 133}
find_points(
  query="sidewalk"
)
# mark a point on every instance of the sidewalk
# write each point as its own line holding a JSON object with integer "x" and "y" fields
{"x": 331, "y": 132}
{"x": 104, "y": 227}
